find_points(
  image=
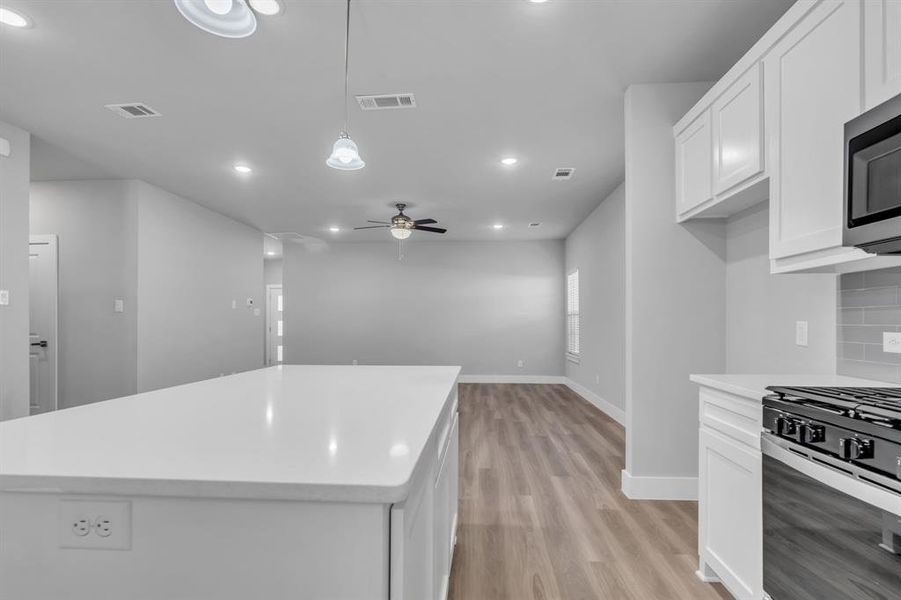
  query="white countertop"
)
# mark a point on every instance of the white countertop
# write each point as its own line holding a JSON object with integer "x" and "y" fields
{"x": 754, "y": 386}
{"x": 336, "y": 433}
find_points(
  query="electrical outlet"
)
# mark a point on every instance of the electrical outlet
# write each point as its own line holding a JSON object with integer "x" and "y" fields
{"x": 891, "y": 342}
{"x": 234, "y": 304}
{"x": 4, "y": 297}
{"x": 355, "y": 362}
{"x": 95, "y": 524}
{"x": 119, "y": 305}
{"x": 801, "y": 333}
{"x": 519, "y": 364}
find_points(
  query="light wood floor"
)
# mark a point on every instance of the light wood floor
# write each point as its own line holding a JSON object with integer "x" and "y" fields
{"x": 541, "y": 512}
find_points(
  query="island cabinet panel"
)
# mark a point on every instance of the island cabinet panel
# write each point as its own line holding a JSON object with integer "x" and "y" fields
{"x": 730, "y": 522}
{"x": 694, "y": 165}
{"x": 882, "y": 50}
{"x": 812, "y": 86}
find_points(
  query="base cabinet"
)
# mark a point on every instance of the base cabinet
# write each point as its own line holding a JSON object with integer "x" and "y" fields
{"x": 730, "y": 521}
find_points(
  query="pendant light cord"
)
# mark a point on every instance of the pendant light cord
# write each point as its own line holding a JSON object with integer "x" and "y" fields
{"x": 346, "y": 61}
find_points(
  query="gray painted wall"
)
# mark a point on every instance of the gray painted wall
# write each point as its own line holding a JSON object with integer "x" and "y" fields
{"x": 192, "y": 263}
{"x": 761, "y": 309}
{"x": 272, "y": 271}
{"x": 597, "y": 248}
{"x": 675, "y": 291}
{"x": 96, "y": 224}
{"x": 869, "y": 305}
{"x": 14, "y": 182}
{"x": 481, "y": 305}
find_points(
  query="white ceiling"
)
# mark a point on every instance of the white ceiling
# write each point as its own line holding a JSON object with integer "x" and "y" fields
{"x": 543, "y": 82}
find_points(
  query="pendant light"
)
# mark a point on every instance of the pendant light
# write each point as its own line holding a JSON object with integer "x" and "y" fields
{"x": 345, "y": 155}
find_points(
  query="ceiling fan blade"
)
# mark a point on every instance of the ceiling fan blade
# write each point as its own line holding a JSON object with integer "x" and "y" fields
{"x": 373, "y": 227}
{"x": 380, "y": 222}
{"x": 424, "y": 221}
{"x": 432, "y": 229}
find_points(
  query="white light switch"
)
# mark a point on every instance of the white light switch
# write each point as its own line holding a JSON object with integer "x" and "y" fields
{"x": 4, "y": 297}
{"x": 801, "y": 333}
{"x": 891, "y": 342}
{"x": 119, "y": 305}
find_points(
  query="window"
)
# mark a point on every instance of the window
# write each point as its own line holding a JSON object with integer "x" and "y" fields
{"x": 572, "y": 315}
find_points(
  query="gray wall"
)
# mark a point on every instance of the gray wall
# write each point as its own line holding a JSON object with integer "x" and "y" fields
{"x": 14, "y": 181}
{"x": 481, "y": 305}
{"x": 761, "y": 309}
{"x": 675, "y": 291}
{"x": 192, "y": 263}
{"x": 597, "y": 248}
{"x": 96, "y": 224}
{"x": 272, "y": 271}
{"x": 869, "y": 304}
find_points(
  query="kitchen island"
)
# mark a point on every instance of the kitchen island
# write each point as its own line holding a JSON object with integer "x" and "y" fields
{"x": 287, "y": 482}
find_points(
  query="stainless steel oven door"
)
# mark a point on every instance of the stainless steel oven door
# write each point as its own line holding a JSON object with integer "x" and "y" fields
{"x": 830, "y": 530}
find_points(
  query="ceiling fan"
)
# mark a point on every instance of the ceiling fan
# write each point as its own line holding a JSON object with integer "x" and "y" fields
{"x": 402, "y": 226}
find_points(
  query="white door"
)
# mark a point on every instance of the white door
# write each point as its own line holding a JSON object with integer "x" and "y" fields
{"x": 43, "y": 325}
{"x": 275, "y": 325}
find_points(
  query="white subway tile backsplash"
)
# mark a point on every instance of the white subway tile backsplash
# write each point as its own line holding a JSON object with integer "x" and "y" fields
{"x": 869, "y": 304}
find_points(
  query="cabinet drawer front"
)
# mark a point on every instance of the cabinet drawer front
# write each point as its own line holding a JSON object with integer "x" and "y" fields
{"x": 738, "y": 132}
{"x": 736, "y": 417}
{"x": 812, "y": 85}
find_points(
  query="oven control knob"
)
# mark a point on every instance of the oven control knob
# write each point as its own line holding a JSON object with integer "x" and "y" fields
{"x": 786, "y": 426}
{"x": 812, "y": 434}
{"x": 861, "y": 448}
{"x": 844, "y": 448}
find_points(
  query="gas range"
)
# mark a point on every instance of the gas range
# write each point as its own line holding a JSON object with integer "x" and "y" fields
{"x": 858, "y": 425}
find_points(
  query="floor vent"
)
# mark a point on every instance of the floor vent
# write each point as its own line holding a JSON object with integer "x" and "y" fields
{"x": 563, "y": 173}
{"x": 386, "y": 101}
{"x": 133, "y": 110}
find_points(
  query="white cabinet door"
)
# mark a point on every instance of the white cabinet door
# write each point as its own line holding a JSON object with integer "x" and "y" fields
{"x": 882, "y": 50}
{"x": 812, "y": 86}
{"x": 737, "y": 118}
{"x": 694, "y": 164}
{"x": 445, "y": 513}
{"x": 730, "y": 535}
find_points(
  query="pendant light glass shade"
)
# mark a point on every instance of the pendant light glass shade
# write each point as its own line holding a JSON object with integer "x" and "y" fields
{"x": 345, "y": 155}
{"x": 236, "y": 22}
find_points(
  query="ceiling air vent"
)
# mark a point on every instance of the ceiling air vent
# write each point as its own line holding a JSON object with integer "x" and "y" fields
{"x": 133, "y": 110}
{"x": 387, "y": 101}
{"x": 286, "y": 236}
{"x": 563, "y": 173}
{"x": 536, "y": 224}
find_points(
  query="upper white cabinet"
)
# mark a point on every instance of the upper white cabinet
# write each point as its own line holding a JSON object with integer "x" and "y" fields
{"x": 882, "y": 50}
{"x": 694, "y": 164}
{"x": 738, "y": 133}
{"x": 812, "y": 85}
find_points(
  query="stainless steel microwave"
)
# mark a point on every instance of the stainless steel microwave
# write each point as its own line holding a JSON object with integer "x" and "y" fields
{"x": 873, "y": 179}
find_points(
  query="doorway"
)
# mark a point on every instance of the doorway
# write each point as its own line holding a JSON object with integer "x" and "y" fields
{"x": 43, "y": 269}
{"x": 275, "y": 325}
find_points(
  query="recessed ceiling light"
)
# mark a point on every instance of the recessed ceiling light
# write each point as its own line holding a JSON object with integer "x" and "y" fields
{"x": 266, "y": 7}
{"x": 537, "y": 1}
{"x": 270, "y": 253}
{"x": 225, "y": 18}
{"x": 334, "y": 229}
{"x": 498, "y": 225}
{"x": 13, "y": 18}
{"x": 509, "y": 161}
{"x": 243, "y": 169}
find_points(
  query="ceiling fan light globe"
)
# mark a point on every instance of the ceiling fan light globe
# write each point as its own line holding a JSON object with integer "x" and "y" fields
{"x": 236, "y": 22}
{"x": 401, "y": 233}
{"x": 219, "y": 7}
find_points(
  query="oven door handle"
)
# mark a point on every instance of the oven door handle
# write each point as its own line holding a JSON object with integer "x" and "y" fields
{"x": 845, "y": 477}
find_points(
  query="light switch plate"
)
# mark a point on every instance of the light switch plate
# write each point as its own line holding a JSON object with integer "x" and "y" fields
{"x": 891, "y": 342}
{"x": 801, "y": 333}
{"x": 119, "y": 305}
{"x": 108, "y": 524}
{"x": 4, "y": 297}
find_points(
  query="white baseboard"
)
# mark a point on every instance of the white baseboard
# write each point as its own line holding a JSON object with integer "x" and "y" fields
{"x": 511, "y": 379}
{"x": 612, "y": 411}
{"x": 659, "y": 488}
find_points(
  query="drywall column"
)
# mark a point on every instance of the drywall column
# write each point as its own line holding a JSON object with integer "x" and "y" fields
{"x": 675, "y": 301}
{"x": 15, "y": 177}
